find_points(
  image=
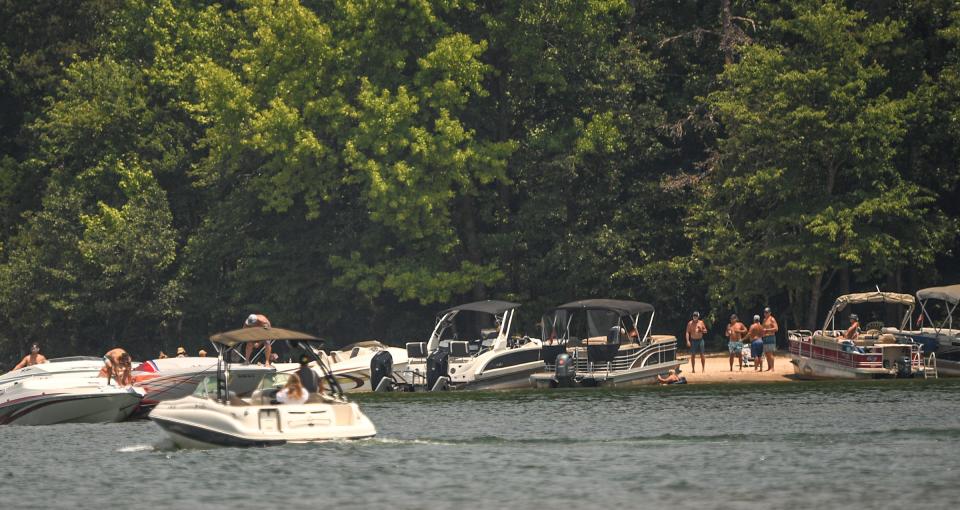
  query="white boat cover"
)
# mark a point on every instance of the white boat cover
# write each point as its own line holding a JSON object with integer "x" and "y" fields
{"x": 949, "y": 293}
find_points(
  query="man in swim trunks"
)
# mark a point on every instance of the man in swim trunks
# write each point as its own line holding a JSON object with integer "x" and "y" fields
{"x": 736, "y": 331}
{"x": 255, "y": 320}
{"x": 34, "y": 358}
{"x": 695, "y": 331}
{"x": 770, "y": 328}
{"x": 756, "y": 343}
{"x": 117, "y": 366}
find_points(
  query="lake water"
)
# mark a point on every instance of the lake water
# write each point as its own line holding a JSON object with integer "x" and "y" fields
{"x": 889, "y": 444}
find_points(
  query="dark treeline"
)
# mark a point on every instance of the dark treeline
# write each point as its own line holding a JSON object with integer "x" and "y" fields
{"x": 348, "y": 168}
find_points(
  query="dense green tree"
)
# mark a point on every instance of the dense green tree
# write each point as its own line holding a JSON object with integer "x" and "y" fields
{"x": 803, "y": 185}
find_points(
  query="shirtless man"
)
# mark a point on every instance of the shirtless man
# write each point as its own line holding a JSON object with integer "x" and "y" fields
{"x": 257, "y": 320}
{"x": 695, "y": 331}
{"x": 34, "y": 358}
{"x": 117, "y": 367}
{"x": 756, "y": 343}
{"x": 770, "y": 328}
{"x": 735, "y": 333}
{"x": 854, "y": 330}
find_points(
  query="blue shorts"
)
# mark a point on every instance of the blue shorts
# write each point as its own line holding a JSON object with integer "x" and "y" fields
{"x": 756, "y": 348}
{"x": 734, "y": 346}
{"x": 769, "y": 344}
{"x": 697, "y": 345}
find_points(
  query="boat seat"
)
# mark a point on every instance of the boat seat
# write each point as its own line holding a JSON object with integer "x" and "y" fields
{"x": 416, "y": 349}
{"x": 459, "y": 349}
{"x": 549, "y": 353}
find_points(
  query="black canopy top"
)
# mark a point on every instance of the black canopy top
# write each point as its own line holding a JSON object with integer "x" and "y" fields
{"x": 258, "y": 334}
{"x": 491, "y": 306}
{"x": 949, "y": 293}
{"x": 617, "y": 305}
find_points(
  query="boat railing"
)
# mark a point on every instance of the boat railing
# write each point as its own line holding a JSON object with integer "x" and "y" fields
{"x": 663, "y": 351}
{"x": 871, "y": 358}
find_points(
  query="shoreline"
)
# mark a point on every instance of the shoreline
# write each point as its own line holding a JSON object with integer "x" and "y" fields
{"x": 718, "y": 370}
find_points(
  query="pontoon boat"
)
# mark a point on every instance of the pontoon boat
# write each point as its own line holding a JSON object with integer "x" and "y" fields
{"x": 596, "y": 342}
{"x": 935, "y": 329}
{"x": 825, "y": 354}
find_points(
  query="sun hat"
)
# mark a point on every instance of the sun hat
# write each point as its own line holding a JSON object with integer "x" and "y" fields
{"x": 756, "y": 318}
{"x": 181, "y": 350}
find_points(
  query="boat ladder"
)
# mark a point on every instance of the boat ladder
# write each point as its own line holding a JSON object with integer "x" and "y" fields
{"x": 930, "y": 371}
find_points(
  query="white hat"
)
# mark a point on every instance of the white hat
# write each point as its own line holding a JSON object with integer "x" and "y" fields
{"x": 251, "y": 319}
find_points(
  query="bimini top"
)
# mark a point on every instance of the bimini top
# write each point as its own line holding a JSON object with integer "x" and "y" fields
{"x": 631, "y": 307}
{"x": 245, "y": 335}
{"x": 873, "y": 297}
{"x": 491, "y": 306}
{"x": 949, "y": 293}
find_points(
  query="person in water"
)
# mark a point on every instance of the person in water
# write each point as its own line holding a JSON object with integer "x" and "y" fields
{"x": 34, "y": 358}
{"x": 293, "y": 392}
{"x": 255, "y": 320}
{"x": 672, "y": 378}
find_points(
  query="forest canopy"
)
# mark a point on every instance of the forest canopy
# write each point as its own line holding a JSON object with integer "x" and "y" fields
{"x": 350, "y": 167}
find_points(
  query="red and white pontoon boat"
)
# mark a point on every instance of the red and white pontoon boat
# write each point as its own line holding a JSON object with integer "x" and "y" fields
{"x": 876, "y": 352}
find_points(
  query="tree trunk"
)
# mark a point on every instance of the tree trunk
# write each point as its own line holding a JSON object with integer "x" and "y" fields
{"x": 726, "y": 32}
{"x": 471, "y": 241}
{"x": 814, "y": 305}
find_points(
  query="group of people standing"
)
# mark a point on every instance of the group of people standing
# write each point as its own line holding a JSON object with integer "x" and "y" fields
{"x": 761, "y": 335}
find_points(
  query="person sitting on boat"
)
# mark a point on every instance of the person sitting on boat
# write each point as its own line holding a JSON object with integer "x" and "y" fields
{"x": 34, "y": 358}
{"x": 854, "y": 330}
{"x": 307, "y": 376}
{"x": 257, "y": 320}
{"x": 181, "y": 352}
{"x": 202, "y": 353}
{"x": 293, "y": 392}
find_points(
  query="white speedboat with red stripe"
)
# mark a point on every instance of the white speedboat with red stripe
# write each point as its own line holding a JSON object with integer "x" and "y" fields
{"x": 65, "y": 398}
{"x": 173, "y": 378}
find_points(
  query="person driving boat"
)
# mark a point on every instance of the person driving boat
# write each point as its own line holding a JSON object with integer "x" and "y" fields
{"x": 34, "y": 358}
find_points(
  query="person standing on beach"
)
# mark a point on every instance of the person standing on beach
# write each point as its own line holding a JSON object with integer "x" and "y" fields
{"x": 695, "y": 331}
{"x": 735, "y": 333}
{"x": 770, "y": 328}
{"x": 756, "y": 343}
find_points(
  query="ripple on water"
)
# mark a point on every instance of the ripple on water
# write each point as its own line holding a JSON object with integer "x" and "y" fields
{"x": 696, "y": 446}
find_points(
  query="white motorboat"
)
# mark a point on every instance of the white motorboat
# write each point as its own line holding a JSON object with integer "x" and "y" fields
{"x": 71, "y": 397}
{"x": 877, "y": 352}
{"x": 214, "y": 415}
{"x": 471, "y": 348}
{"x": 84, "y": 366}
{"x": 173, "y": 378}
{"x": 595, "y": 342}
{"x": 361, "y": 366}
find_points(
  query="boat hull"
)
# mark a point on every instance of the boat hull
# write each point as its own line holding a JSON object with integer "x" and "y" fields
{"x": 613, "y": 379}
{"x": 52, "y": 408}
{"x": 195, "y": 422}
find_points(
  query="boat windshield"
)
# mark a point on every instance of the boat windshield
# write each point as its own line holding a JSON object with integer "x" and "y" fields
{"x": 207, "y": 388}
{"x": 273, "y": 381}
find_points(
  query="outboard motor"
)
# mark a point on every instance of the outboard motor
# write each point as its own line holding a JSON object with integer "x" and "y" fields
{"x": 565, "y": 370}
{"x": 903, "y": 367}
{"x": 381, "y": 366}
{"x": 437, "y": 367}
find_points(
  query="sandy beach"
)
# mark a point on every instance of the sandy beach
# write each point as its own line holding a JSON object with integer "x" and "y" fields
{"x": 718, "y": 370}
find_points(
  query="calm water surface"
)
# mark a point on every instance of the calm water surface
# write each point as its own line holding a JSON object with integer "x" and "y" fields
{"x": 891, "y": 444}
